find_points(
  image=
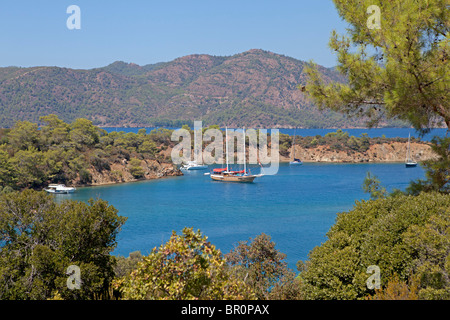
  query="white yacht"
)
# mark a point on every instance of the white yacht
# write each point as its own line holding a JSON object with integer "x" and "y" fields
{"x": 59, "y": 188}
{"x": 192, "y": 165}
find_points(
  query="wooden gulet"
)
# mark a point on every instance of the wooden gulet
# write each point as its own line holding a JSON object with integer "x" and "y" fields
{"x": 225, "y": 175}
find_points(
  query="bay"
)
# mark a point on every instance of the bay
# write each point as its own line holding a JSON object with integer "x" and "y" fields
{"x": 296, "y": 207}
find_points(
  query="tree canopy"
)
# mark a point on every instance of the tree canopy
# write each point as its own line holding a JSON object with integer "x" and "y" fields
{"x": 187, "y": 267}
{"x": 407, "y": 237}
{"x": 40, "y": 239}
{"x": 398, "y": 69}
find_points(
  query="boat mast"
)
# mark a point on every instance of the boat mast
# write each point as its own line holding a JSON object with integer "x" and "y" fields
{"x": 226, "y": 146}
{"x": 243, "y": 132}
{"x": 293, "y": 145}
{"x": 408, "y": 153}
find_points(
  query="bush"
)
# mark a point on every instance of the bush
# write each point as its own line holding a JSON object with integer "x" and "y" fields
{"x": 405, "y": 236}
{"x": 136, "y": 168}
{"x": 187, "y": 267}
{"x": 40, "y": 239}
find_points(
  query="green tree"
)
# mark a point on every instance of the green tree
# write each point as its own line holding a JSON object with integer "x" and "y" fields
{"x": 7, "y": 175}
{"x": 136, "y": 168}
{"x": 437, "y": 170}
{"x": 372, "y": 186}
{"x": 186, "y": 267}
{"x": 83, "y": 133}
{"x": 55, "y": 131}
{"x": 29, "y": 168}
{"x": 405, "y": 236}
{"x": 23, "y": 135}
{"x": 263, "y": 268}
{"x": 399, "y": 70}
{"x": 40, "y": 239}
{"x": 148, "y": 147}
{"x": 124, "y": 266}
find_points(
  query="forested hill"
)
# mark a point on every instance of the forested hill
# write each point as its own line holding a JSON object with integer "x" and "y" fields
{"x": 255, "y": 89}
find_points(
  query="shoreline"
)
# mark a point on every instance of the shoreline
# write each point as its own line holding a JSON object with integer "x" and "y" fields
{"x": 280, "y": 162}
{"x": 124, "y": 182}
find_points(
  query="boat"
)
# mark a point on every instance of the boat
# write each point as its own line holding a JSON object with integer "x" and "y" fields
{"x": 59, "y": 189}
{"x": 295, "y": 160}
{"x": 409, "y": 163}
{"x": 193, "y": 165}
{"x": 227, "y": 175}
{"x": 197, "y": 164}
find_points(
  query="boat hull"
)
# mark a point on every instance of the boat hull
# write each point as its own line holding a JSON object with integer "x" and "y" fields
{"x": 295, "y": 162}
{"x": 231, "y": 178}
{"x": 195, "y": 168}
{"x": 59, "y": 191}
{"x": 411, "y": 164}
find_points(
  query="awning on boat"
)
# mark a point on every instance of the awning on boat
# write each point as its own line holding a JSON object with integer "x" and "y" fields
{"x": 219, "y": 170}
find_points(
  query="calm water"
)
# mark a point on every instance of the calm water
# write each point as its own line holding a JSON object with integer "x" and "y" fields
{"x": 296, "y": 207}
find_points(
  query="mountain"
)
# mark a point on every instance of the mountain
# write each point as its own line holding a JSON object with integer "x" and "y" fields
{"x": 255, "y": 88}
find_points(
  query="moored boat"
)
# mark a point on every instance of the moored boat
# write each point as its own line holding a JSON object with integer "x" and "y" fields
{"x": 193, "y": 165}
{"x": 295, "y": 160}
{"x": 409, "y": 163}
{"x": 59, "y": 189}
{"x": 226, "y": 175}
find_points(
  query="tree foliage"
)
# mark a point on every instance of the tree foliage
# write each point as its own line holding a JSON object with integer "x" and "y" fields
{"x": 437, "y": 170}
{"x": 58, "y": 152}
{"x": 264, "y": 269}
{"x": 40, "y": 239}
{"x": 187, "y": 267}
{"x": 405, "y": 236}
{"x": 400, "y": 69}
{"x": 372, "y": 186}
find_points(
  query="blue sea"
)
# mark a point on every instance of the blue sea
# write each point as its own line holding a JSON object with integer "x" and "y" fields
{"x": 296, "y": 207}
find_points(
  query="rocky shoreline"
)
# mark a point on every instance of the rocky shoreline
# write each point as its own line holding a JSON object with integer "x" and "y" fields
{"x": 120, "y": 173}
{"x": 377, "y": 153}
{"x": 383, "y": 152}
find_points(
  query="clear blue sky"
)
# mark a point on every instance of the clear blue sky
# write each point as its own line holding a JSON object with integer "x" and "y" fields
{"x": 34, "y": 32}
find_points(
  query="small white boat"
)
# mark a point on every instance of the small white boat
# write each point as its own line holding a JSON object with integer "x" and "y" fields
{"x": 192, "y": 165}
{"x": 59, "y": 189}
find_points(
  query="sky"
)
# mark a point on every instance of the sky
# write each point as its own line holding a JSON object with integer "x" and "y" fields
{"x": 35, "y": 33}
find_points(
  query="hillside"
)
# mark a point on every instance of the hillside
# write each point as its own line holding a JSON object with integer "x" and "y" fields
{"x": 255, "y": 88}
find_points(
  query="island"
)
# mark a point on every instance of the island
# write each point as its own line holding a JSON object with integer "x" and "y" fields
{"x": 34, "y": 155}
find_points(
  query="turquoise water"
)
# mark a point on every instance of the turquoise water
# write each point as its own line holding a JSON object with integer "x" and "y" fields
{"x": 296, "y": 207}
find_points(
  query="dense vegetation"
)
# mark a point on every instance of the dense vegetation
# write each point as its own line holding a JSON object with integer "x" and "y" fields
{"x": 32, "y": 155}
{"x": 40, "y": 239}
{"x": 405, "y": 234}
{"x": 403, "y": 75}
{"x": 170, "y": 94}
{"x": 398, "y": 70}
{"x": 58, "y": 152}
{"x": 407, "y": 237}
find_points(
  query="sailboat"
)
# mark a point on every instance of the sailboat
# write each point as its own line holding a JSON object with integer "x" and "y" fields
{"x": 194, "y": 165}
{"x": 295, "y": 160}
{"x": 225, "y": 175}
{"x": 409, "y": 161}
